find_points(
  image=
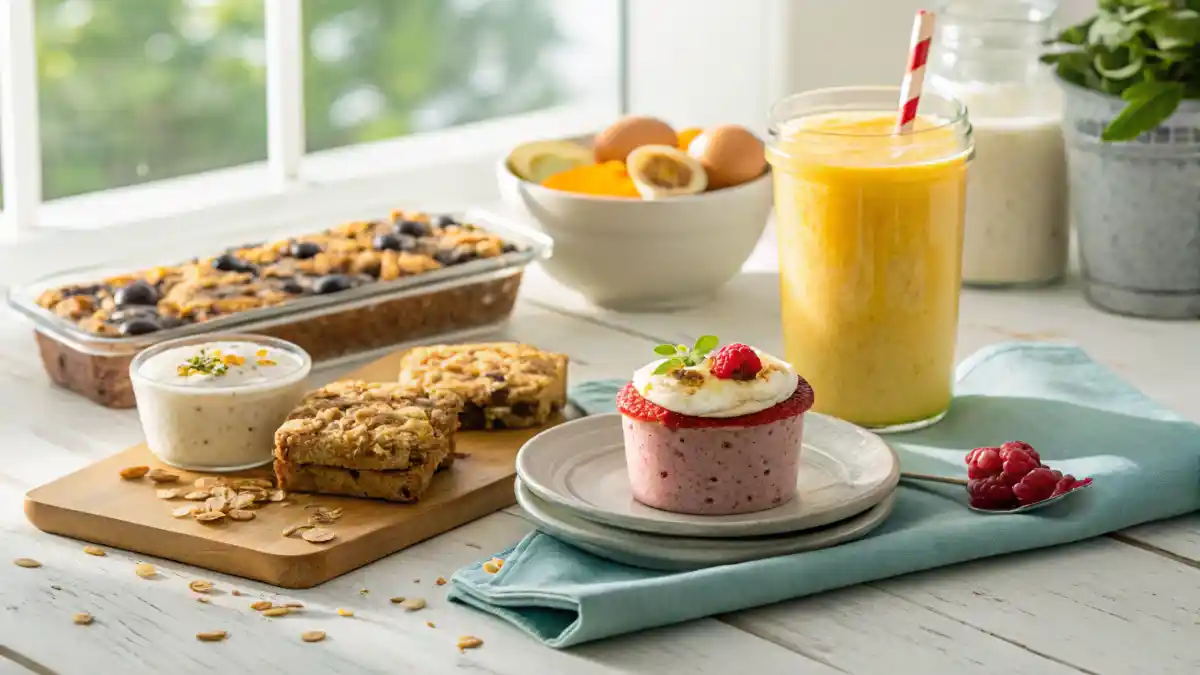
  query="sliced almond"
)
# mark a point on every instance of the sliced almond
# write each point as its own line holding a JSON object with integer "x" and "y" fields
{"x": 293, "y": 529}
{"x": 344, "y": 612}
{"x": 184, "y": 511}
{"x": 145, "y": 570}
{"x": 161, "y": 476}
{"x": 469, "y": 642}
{"x": 212, "y": 636}
{"x": 276, "y": 611}
{"x": 197, "y": 495}
{"x": 278, "y": 496}
{"x": 260, "y": 605}
{"x": 82, "y": 618}
{"x": 243, "y": 500}
{"x": 94, "y": 550}
{"x": 313, "y": 636}
{"x": 207, "y": 482}
{"x": 398, "y": 599}
{"x": 216, "y": 504}
{"x": 240, "y": 514}
{"x": 134, "y": 472}
{"x": 200, "y": 586}
{"x": 413, "y": 604}
{"x": 169, "y": 493}
{"x": 256, "y": 482}
{"x": 209, "y": 516}
{"x": 318, "y": 535}
{"x": 27, "y": 562}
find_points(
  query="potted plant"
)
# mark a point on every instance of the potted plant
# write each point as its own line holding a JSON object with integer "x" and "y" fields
{"x": 1131, "y": 120}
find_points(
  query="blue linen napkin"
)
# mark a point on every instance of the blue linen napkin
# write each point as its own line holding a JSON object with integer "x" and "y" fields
{"x": 1083, "y": 418}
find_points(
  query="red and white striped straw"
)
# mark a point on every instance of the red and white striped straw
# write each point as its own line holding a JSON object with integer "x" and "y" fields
{"x": 914, "y": 77}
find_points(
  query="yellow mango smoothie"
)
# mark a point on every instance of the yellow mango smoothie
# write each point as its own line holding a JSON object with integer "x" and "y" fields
{"x": 870, "y": 228}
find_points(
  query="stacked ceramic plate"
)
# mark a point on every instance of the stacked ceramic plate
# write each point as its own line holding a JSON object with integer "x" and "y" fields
{"x": 572, "y": 482}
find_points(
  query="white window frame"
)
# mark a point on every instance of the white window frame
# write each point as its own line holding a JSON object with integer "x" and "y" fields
{"x": 668, "y": 68}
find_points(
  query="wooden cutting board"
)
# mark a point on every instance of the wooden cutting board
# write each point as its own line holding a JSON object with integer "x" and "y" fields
{"x": 94, "y": 504}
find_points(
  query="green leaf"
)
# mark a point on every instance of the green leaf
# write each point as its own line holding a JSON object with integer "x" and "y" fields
{"x": 1180, "y": 28}
{"x": 1134, "y": 14}
{"x": 665, "y": 350}
{"x": 1120, "y": 64}
{"x": 1109, "y": 31}
{"x": 705, "y": 344}
{"x": 1156, "y": 101}
{"x": 667, "y": 366}
{"x": 1075, "y": 35}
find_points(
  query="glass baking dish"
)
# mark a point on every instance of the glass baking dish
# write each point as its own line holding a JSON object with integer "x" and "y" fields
{"x": 451, "y": 302}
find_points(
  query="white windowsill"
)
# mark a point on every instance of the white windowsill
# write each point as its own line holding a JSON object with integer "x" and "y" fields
{"x": 445, "y": 169}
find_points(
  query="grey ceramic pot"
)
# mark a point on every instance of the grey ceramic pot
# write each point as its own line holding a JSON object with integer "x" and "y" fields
{"x": 1136, "y": 207}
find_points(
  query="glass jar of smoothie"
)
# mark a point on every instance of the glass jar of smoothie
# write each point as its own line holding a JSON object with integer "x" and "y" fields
{"x": 985, "y": 54}
{"x": 870, "y": 227}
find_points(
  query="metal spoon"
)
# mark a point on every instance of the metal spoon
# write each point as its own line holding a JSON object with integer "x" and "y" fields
{"x": 963, "y": 481}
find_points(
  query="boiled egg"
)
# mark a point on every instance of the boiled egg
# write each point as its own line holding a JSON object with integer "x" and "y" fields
{"x": 660, "y": 171}
{"x": 730, "y": 154}
{"x": 628, "y": 134}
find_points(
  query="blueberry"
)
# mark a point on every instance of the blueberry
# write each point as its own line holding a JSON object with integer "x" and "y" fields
{"x": 444, "y": 220}
{"x": 413, "y": 228}
{"x": 395, "y": 242}
{"x": 455, "y": 256}
{"x": 291, "y": 286}
{"x": 332, "y": 283}
{"x": 139, "y": 326}
{"x": 304, "y": 250}
{"x": 136, "y": 293}
{"x": 227, "y": 262}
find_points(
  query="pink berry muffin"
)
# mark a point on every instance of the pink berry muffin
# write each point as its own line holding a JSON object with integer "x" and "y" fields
{"x": 714, "y": 432}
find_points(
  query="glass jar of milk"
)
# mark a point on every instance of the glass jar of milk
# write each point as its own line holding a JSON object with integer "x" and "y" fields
{"x": 985, "y": 54}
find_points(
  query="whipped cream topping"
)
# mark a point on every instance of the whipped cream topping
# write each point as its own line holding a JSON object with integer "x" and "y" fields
{"x": 695, "y": 391}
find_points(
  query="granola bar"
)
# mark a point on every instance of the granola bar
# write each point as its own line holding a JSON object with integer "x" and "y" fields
{"x": 394, "y": 435}
{"x": 503, "y": 385}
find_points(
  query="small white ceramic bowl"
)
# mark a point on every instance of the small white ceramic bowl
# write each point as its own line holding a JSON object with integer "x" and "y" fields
{"x": 644, "y": 255}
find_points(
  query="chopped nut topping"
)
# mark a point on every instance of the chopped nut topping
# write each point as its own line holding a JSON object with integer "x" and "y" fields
{"x": 200, "y": 586}
{"x": 344, "y": 612}
{"x": 82, "y": 618}
{"x": 212, "y": 636}
{"x": 161, "y": 476}
{"x": 318, "y": 535}
{"x": 169, "y": 493}
{"x": 312, "y": 636}
{"x": 94, "y": 550}
{"x": 469, "y": 642}
{"x": 134, "y": 472}
{"x": 276, "y": 611}
{"x": 260, "y": 605}
{"x": 413, "y": 604}
{"x": 145, "y": 570}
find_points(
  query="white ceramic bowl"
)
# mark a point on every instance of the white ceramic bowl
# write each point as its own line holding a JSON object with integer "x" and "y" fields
{"x": 644, "y": 255}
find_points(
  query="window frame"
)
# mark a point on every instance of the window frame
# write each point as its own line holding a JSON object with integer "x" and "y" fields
{"x": 449, "y": 168}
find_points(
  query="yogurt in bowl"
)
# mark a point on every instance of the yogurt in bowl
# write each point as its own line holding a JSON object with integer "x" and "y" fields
{"x": 213, "y": 403}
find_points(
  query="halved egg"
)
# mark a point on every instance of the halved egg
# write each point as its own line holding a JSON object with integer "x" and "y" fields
{"x": 538, "y": 160}
{"x": 660, "y": 171}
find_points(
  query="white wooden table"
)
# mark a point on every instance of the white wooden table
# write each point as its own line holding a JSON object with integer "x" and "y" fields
{"x": 1127, "y": 603}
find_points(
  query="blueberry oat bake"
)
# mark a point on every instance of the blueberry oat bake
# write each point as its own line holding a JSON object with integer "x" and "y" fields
{"x": 360, "y": 439}
{"x": 504, "y": 385}
{"x": 262, "y": 275}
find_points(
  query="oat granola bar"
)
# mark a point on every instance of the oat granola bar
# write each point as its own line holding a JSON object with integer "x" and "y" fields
{"x": 395, "y": 435}
{"x": 503, "y": 385}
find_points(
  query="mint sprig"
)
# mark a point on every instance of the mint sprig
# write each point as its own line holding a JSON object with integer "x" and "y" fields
{"x": 681, "y": 356}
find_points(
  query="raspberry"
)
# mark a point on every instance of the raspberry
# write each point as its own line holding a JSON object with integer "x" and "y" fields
{"x": 1068, "y": 483}
{"x": 1010, "y": 446}
{"x": 984, "y": 462}
{"x": 1017, "y": 464}
{"x": 1037, "y": 485}
{"x": 736, "y": 362}
{"x": 991, "y": 493}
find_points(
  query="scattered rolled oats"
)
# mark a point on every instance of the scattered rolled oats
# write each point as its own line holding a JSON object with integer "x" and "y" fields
{"x": 82, "y": 618}
{"x": 94, "y": 550}
{"x": 169, "y": 493}
{"x": 239, "y": 514}
{"x": 161, "y": 476}
{"x": 209, "y": 516}
{"x": 200, "y": 586}
{"x": 317, "y": 535}
{"x": 212, "y": 636}
{"x": 260, "y": 605}
{"x": 203, "y": 598}
{"x": 312, "y": 636}
{"x": 469, "y": 642}
{"x": 197, "y": 496}
{"x": 145, "y": 570}
{"x": 184, "y": 511}
{"x": 413, "y": 604}
{"x": 276, "y": 611}
{"x": 441, "y": 581}
{"x": 134, "y": 472}
{"x": 293, "y": 529}
{"x": 344, "y": 612}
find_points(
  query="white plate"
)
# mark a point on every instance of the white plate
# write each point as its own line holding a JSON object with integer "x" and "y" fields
{"x": 580, "y": 465}
{"x": 660, "y": 552}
